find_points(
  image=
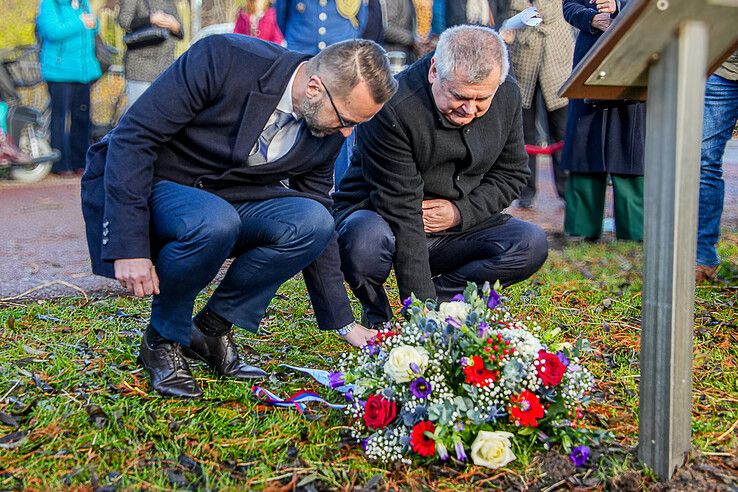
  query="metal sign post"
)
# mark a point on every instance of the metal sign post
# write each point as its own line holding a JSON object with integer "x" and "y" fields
{"x": 676, "y": 88}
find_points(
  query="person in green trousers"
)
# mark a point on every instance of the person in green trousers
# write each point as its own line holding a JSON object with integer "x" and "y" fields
{"x": 602, "y": 138}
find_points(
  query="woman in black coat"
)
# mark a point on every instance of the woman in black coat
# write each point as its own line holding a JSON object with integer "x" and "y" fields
{"x": 602, "y": 137}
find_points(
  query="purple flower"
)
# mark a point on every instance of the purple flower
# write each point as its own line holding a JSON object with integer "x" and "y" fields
{"x": 483, "y": 329}
{"x": 466, "y": 361}
{"x": 370, "y": 349}
{"x": 442, "y": 451}
{"x": 407, "y": 302}
{"x": 420, "y": 388}
{"x": 494, "y": 299}
{"x": 562, "y": 358}
{"x": 579, "y": 455}
{"x": 460, "y": 453}
{"x": 335, "y": 380}
{"x": 459, "y": 426}
{"x": 364, "y": 443}
{"x": 451, "y": 321}
{"x": 415, "y": 368}
{"x": 349, "y": 396}
{"x": 458, "y": 298}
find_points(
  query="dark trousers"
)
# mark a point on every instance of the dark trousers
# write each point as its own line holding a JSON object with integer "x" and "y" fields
{"x": 509, "y": 252}
{"x": 585, "y": 205}
{"x": 555, "y": 121}
{"x": 70, "y": 123}
{"x": 194, "y": 232}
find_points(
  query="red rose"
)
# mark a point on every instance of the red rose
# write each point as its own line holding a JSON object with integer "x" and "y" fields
{"x": 550, "y": 369}
{"x": 379, "y": 412}
{"x": 526, "y": 409}
{"x": 419, "y": 442}
{"x": 477, "y": 375}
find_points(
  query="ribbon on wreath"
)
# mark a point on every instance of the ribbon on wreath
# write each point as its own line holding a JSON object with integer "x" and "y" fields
{"x": 297, "y": 400}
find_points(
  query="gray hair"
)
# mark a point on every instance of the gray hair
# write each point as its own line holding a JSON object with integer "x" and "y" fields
{"x": 471, "y": 51}
{"x": 348, "y": 63}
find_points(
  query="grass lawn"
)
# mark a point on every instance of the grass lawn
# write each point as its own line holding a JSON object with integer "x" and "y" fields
{"x": 76, "y": 411}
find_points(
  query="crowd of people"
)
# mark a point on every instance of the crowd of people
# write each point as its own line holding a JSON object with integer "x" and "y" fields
{"x": 212, "y": 160}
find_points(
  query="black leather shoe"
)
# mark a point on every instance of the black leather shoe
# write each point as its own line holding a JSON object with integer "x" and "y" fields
{"x": 168, "y": 370}
{"x": 221, "y": 354}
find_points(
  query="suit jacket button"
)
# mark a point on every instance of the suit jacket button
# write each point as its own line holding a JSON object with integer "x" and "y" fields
{"x": 105, "y": 241}
{"x": 106, "y": 223}
{"x": 106, "y": 231}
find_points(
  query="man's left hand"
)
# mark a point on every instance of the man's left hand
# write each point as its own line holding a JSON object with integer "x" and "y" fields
{"x": 439, "y": 215}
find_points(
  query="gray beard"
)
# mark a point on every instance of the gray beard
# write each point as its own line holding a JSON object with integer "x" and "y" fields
{"x": 309, "y": 111}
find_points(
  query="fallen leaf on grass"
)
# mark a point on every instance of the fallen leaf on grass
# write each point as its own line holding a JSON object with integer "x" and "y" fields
{"x": 9, "y": 420}
{"x": 97, "y": 417}
{"x": 42, "y": 385}
{"x": 13, "y": 440}
{"x": 177, "y": 478}
{"x": 46, "y": 317}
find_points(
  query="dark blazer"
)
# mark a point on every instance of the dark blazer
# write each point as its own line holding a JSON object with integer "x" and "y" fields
{"x": 195, "y": 126}
{"x": 409, "y": 152}
{"x": 601, "y": 136}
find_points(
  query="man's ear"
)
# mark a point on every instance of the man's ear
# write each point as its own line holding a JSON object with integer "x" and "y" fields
{"x": 314, "y": 88}
{"x": 433, "y": 71}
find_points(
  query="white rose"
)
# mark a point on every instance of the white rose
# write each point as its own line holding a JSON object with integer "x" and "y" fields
{"x": 400, "y": 359}
{"x": 456, "y": 309}
{"x": 492, "y": 449}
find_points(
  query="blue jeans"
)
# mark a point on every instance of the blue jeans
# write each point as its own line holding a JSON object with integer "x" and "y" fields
{"x": 70, "y": 100}
{"x": 509, "y": 252}
{"x": 721, "y": 114}
{"x": 194, "y": 232}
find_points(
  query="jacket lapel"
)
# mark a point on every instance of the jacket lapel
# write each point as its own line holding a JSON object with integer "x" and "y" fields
{"x": 261, "y": 103}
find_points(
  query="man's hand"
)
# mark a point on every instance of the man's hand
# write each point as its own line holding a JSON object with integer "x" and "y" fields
{"x": 137, "y": 275}
{"x": 360, "y": 335}
{"x": 605, "y": 6}
{"x": 601, "y": 22}
{"x": 439, "y": 215}
{"x": 89, "y": 21}
{"x": 165, "y": 21}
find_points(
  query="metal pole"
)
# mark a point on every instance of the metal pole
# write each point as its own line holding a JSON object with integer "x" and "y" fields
{"x": 673, "y": 134}
{"x": 196, "y": 6}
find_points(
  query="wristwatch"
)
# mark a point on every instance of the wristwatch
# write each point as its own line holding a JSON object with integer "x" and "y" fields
{"x": 346, "y": 329}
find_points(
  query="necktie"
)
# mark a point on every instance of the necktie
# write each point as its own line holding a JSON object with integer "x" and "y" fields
{"x": 267, "y": 135}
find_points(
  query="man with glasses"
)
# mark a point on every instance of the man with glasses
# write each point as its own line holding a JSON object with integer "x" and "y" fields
{"x": 431, "y": 175}
{"x": 229, "y": 154}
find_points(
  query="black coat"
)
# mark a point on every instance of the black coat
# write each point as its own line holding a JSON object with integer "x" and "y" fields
{"x": 601, "y": 136}
{"x": 409, "y": 152}
{"x": 196, "y": 126}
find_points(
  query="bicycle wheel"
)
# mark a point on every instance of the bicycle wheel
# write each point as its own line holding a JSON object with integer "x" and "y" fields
{"x": 39, "y": 149}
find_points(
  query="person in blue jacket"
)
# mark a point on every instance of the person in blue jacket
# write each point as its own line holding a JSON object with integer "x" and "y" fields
{"x": 311, "y": 25}
{"x": 66, "y": 30}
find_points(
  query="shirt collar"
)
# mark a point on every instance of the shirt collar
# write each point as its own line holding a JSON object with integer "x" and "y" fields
{"x": 285, "y": 103}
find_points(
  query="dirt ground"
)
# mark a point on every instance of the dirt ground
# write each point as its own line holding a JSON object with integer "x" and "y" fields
{"x": 44, "y": 248}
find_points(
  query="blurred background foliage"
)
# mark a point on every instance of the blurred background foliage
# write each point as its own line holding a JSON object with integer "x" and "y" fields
{"x": 17, "y": 20}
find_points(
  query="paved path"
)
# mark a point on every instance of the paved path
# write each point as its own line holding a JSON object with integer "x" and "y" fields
{"x": 42, "y": 233}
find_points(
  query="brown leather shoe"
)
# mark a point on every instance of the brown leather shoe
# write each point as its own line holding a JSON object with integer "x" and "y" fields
{"x": 221, "y": 354}
{"x": 168, "y": 370}
{"x": 703, "y": 273}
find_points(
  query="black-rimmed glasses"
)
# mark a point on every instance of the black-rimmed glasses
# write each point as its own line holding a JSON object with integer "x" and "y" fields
{"x": 340, "y": 118}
